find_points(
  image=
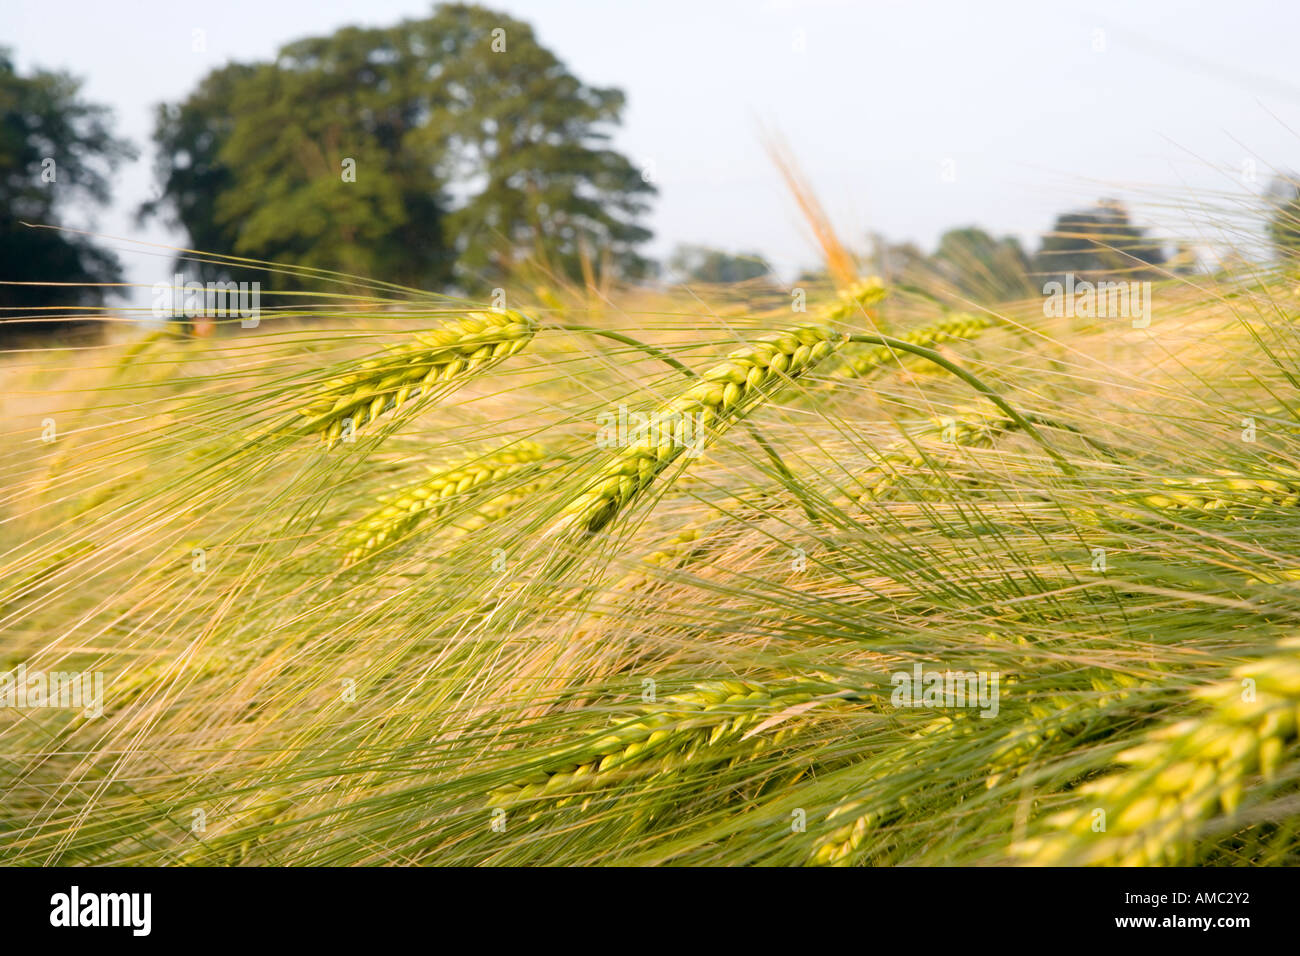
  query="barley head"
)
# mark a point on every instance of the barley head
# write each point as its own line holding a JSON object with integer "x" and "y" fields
{"x": 451, "y": 352}
{"x": 1183, "y": 774}
{"x": 869, "y": 360}
{"x": 407, "y": 508}
{"x": 694, "y": 728}
{"x": 970, "y": 430}
{"x": 851, "y": 301}
{"x": 723, "y": 394}
{"x": 1226, "y": 493}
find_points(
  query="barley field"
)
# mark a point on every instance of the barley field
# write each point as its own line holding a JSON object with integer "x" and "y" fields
{"x": 605, "y": 576}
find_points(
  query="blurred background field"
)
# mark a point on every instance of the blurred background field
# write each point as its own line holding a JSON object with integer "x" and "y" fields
{"x": 366, "y": 585}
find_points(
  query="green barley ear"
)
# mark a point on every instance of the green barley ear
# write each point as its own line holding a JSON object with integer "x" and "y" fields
{"x": 855, "y": 819}
{"x": 683, "y": 545}
{"x": 861, "y": 295}
{"x": 439, "y": 356}
{"x": 838, "y": 846}
{"x": 723, "y": 395}
{"x": 684, "y": 729}
{"x": 1227, "y": 493}
{"x": 1183, "y": 774}
{"x": 492, "y": 510}
{"x": 132, "y": 353}
{"x": 252, "y": 832}
{"x": 407, "y": 508}
{"x": 867, "y": 361}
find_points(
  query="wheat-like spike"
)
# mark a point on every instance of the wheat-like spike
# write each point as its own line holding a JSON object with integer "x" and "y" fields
{"x": 840, "y": 846}
{"x": 166, "y": 333}
{"x": 1225, "y": 492}
{"x": 407, "y": 508}
{"x": 961, "y": 326}
{"x": 680, "y": 547}
{"x": 679, "y": 730}
{"x": 441, "y": 355}
{"x": 851, "y": 301}
{"x": 492, "y": 510}
{"x": 722, "y": 395}
{"x": 1182, "y": 774}
{"x": 1050, "y": 718}
{"x": 246, "y": 837}
{"x": 683, "y": 548}
{"x": 971, "y": 430}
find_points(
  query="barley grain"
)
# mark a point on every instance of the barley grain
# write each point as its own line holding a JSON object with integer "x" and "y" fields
{"x": 1227, "y": 493}
{"x": 850, "y": 303}
{"x": 972, "y": 430}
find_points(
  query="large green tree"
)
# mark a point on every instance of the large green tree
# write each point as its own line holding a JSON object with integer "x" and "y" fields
{"x": 1284, "y": 217}
{"x": 192, "y": 177}
{"x": 454, "y": 145}
{"x": 981, "y": 267}
{"x": 56, "y": 150}
{"x": 704, "y": 264}
{"x": 1097, "y": 242}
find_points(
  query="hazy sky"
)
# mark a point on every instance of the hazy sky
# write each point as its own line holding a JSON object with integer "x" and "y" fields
{"x": 1028, "y": 107}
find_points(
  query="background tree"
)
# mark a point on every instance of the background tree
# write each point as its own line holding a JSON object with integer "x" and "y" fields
{"x": 981, "y": 267}
{"x": 55, "y": 148}
{"x": 189, "y": 137}
{"x": 510, "y": 115}
{"x": 1098, "y": 242}
{"x": 898, "y": 262}
{"x": 704, "y": 264}
{"x": 473, "y": 147}
{"x": 308, "y": 161}
{"x": 1284, "y": 217}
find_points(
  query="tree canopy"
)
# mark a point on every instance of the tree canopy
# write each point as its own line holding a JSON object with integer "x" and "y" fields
{"x": 55, "y": 149}
{"x": 438, "y": 150}
{"x": 1284, "y": 217}
{"x": 1098, "y": 241}
{"x": 705, "y": 264}
{"x": 984, "y": 268}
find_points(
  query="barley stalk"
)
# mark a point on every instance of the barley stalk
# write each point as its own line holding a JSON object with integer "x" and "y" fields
{"x": 493, "y": 510}
{"x": 1052, "y": 718}
{"x": 1183, "y": 774}
{"x": 407, "y": 508}
{"x": 861, "y": 817}
{"x": 723, "y": 394}
{"x": 439, "y": 356}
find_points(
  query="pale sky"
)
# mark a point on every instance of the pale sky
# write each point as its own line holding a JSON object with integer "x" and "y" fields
{"x": 1029, "y": 108}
